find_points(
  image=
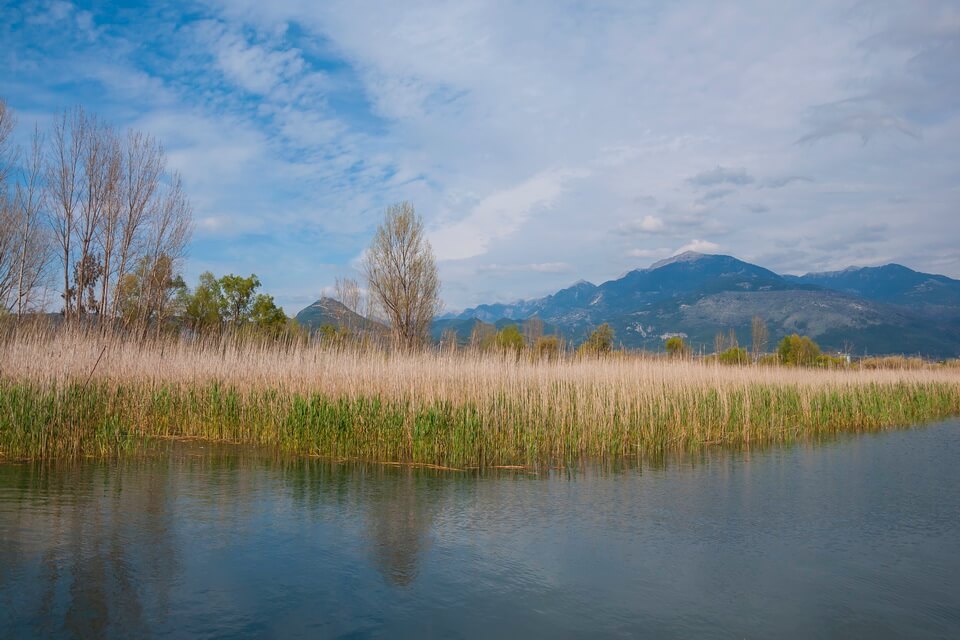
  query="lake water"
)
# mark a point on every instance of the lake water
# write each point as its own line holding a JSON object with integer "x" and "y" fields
{"x": 858, "y": 537}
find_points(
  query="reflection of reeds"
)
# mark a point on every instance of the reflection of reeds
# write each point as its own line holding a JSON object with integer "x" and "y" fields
{"x": 445, "y": 409}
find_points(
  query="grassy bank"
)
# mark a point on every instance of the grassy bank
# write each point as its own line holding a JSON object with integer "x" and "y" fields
{"x": 71, "y": 394}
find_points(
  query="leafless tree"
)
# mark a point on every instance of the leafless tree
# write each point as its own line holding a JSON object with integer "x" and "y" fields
{"x": 7, "y": 153}
{"x": 98, "y": 180}
{"x": 111, "y": 218}
{"x": 167, "y": 234}
{"x": 402, "y": 275}
{"x": 348, "y": 292}
{"x": 33, "y": 246}
{"x": 448, "y": 341}
{"x": 142, "y": 167}
{"x": 482, "y": 335}
{"x": 759, "y": 337}
{"x": 65, "y": 190}
{"x": 532, "y": 330}
{"x": 719, "y": 342}
{"x": 8, "y": 227}
{"x": 8, "y": 224}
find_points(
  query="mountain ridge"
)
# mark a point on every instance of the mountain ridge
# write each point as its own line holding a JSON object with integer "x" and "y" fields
{"x": 863, "y": 310}
{"x": 893, "y": 310}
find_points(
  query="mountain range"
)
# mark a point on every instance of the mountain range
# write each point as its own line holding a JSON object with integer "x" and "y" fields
{"x": 861, "y": 310}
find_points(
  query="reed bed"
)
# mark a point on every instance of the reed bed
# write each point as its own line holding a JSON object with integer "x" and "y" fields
{"x": 72, "y": 393}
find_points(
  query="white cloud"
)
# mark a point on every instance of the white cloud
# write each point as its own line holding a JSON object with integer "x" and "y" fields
{"x": 536, "y": 267}
{"x": 700, "y": 246}
{"x": 647, "y": 224}
{"x": 302, "y": 120}
{"x": 499, "y": 215}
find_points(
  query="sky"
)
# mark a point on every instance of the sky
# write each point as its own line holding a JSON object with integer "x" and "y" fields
{"x": 543, "y": 141}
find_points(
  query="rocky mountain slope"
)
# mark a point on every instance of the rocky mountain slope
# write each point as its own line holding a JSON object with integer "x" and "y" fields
{"x": 888, "y": 309}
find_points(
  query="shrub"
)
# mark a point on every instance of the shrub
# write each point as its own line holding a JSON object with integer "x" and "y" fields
{"x": 677, "y": 347}
{"x": 798, "y": 350}
{"x": 734, "y": 355}
{"x": 600, "y": 341}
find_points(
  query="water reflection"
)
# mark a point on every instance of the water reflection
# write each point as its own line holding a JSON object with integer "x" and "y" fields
{"x": 400, "y": 515}
{"x": 856, "y": 537}
{"x": 92, "y": 529}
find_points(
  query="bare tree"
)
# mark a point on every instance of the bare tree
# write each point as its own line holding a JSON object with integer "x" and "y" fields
{"x": 348, "y": 292}
{"x": 482, "y": 335}
{"x": 402, "y": 275}
{"x": 98, "y": 181}
{"x": 111, "y": 218}
{"x": 8, "y": 240}
{"x": 65, "y": 190}
{"x": 23, "y": 245}
{"x": 8, "y": 224}
{"x": 759, "y": 337}
{"x": 449, "y": 340}
{"x": 142, "y": 167}
{"x": 32, "y": 243}
{"x": 532, "y": 330}
{"x": 167, "y": 236}
{"x": 7, "y": 153}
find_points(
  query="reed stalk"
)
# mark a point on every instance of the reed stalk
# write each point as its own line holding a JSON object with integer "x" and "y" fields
{"x": 67, "y": 393}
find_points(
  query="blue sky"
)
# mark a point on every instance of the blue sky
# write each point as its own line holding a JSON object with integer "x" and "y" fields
{"x": 543, "y": 141}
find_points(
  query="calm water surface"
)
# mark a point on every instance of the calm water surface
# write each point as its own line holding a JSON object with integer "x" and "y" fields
{"x": 854, "y": 538}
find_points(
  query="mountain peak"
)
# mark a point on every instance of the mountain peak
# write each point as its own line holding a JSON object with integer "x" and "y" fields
{"x": 686, "y": 256}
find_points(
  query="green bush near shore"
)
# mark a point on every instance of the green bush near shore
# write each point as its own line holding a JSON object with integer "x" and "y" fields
{"x": 44, "y": 420}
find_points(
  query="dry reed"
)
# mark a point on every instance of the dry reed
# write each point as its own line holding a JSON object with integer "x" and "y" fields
{"x": 457, "y": 408}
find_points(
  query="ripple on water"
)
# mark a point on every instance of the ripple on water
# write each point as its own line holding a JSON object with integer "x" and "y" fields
{"x": 859, "y": 536}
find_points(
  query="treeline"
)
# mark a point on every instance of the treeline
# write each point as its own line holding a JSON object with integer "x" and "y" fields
{"x": 792, "y": 350}
{"x": 92, "y": 217}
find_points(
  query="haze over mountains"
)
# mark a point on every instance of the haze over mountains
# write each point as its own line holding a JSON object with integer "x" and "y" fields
{"x": 862, "y": 310}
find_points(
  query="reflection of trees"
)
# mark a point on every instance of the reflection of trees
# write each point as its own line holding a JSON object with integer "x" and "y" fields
{"x": 398, "y": 503}
{"x": 401, "y": 515}
{"x": 95, "y": 532}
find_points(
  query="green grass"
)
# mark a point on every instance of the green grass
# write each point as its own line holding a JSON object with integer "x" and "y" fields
{"x": 57, "y": 420}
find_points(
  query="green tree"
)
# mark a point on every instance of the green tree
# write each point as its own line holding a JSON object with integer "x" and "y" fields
{"x": 266, "y": 317}
{"x": 798, "y": 350}
{"x": 677, "y": 347}
{"x": 510, "y": 339}
{"x": 599, "y": 342}
{"x": 238, "y": 295}
{"x": 204, "y": 308}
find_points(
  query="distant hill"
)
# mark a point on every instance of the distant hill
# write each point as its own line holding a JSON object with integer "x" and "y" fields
{"x": 888, "y": 309}
{"x": 333, "y": 312}
{"x": 891, "y": 283}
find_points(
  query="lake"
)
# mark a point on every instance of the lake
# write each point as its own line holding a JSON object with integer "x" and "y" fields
{"x": 855, "y": 537}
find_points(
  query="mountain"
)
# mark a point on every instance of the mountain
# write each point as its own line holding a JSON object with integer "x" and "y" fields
{"x": 333, "y": 312}
{"x": 888, "y": 309}
{"x": 891, "y": 283}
